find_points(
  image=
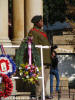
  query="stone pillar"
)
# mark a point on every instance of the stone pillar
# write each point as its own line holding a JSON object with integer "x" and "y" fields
{"x": 18, "y": 21}
{"x": 4, "y": 22}
{"x": 32, "y": 8}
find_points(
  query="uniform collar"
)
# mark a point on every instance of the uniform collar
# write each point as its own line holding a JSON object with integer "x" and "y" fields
{"x": 36, "y": 27}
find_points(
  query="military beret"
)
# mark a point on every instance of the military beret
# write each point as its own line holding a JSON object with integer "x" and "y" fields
{"x": 36, "y": 19}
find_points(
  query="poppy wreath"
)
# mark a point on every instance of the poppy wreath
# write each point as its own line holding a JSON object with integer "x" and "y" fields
{"x": 8, "y": 86}
{"x": 7, "y": 65}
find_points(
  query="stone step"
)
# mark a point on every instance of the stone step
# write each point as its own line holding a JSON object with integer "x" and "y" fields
{"x": 19, "y": 96}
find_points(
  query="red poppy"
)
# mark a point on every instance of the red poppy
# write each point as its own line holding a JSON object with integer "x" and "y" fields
{"x": 8, "y": 86}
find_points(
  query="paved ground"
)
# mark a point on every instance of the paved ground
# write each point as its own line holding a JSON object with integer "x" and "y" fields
{"x": 57, "y": 99}
{"x": 60, "y": 99}
{"x": 64, "y": 96}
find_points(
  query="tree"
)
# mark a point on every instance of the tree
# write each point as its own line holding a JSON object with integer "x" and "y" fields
{"x": 54, "y": 10}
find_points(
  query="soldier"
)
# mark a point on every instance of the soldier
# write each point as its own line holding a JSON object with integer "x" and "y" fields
{"x": 40, "y": 38}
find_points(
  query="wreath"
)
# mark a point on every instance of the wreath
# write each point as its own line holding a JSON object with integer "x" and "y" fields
{"x": 28, "y": 61}
{"x": 7, "y": 65}
{"x": 6, "y": 86}
{"x": 22, "y": 57}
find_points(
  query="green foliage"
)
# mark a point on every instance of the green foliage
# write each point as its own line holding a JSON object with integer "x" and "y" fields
{"x": 36, "y": 58}
{"x": 22, "y": 57}
{"x": 20, "y": 54}
{"x": 72, "y": 2}
{"x": 54, "y": 10}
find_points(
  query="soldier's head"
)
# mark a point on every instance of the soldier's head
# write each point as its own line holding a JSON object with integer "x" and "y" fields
{"x": 37, "y": 20}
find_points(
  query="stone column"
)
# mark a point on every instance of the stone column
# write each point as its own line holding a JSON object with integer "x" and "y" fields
{"x": 4, "y": 22}
{"x": 32, "y": 8}
{"x": 18, "y": 21}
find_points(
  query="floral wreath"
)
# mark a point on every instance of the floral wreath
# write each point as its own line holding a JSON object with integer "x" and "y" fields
{"x": 6, "y": 87}
{"x": 29, "y": 72}
{"x": 7, "y": 65}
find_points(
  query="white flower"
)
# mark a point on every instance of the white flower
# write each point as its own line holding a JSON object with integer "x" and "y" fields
{"x": 21, "y": 73}
{"x": 27, "y": 76}
{"x": 37, "y": 69}
{"x": 28, "y": 68}
{"x": 20, "y": 67}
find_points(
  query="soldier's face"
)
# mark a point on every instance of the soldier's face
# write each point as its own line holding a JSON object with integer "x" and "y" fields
{"x": 41, "y": 22}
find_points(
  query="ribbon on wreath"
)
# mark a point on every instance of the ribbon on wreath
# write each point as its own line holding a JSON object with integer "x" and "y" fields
{"x": 7, "y": 65}
{"x": 29, "y": 51}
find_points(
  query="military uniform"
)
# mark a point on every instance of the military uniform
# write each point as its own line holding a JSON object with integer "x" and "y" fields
{"x": 39, "y": 39}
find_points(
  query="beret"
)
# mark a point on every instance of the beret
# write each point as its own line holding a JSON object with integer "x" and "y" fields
{"x": 36, "y": 19}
